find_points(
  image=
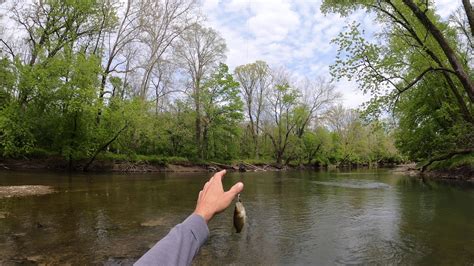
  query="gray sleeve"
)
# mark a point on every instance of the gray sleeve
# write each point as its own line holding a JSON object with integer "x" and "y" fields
{"x": 180, "y": 245}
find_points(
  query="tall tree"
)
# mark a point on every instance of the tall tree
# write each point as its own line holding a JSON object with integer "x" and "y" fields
{"x": 280, "y": 123}
{"x": 469, "y": 14}
{"x": 199, "y": 51}
{"x": 112, "y": 44}
{"x": 162, "y": 22}
{"x": 255, "y": 80}
{"x": 417, "y": 50}
{"x": 456, "y": 64}
{"x": 53, "y": 26}
{"x": 222, "y": 112}
{"x": 317, "y": 97}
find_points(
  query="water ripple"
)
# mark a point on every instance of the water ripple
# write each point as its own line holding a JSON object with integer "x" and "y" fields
{"x": 351, "y": 183}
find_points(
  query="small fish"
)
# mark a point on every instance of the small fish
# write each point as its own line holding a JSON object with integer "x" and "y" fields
{"x": 239, "y": 215}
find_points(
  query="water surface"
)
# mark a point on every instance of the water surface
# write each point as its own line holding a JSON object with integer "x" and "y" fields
{"x": 324, "y": 218}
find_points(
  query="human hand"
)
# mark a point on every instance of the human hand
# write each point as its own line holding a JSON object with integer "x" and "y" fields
{"x": 212, "y": 198}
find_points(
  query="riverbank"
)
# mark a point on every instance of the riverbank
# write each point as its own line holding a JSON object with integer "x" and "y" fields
{"x": 130, "y": 166}
{"x": 152, "y": 164}
{"x": 447, "y": 171}
{"x": 462, "y": 172}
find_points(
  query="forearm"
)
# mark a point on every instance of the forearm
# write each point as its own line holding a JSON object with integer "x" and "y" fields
{"x": 180, "y": 245}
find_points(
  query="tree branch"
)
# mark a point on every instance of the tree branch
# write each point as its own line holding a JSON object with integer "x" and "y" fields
{"x": 86, "y": 167}
{"x": 445, "y": 157}
{"x": 10, "y": 50}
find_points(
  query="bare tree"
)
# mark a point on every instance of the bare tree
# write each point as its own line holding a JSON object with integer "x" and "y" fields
{"x": 163, "y": 83}
{"x": 255, "y": 80}
{"x": 198, "y": 52}
{"x": 279, "y": 118}
{"x": 161, "y": 23}
{"x": 318, "y": 96}
{"x": 464, "y": 36}
{"x": 114, "y": 43}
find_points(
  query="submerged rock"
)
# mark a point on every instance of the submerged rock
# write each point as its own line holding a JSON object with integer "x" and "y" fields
{"x": 22, "y": 191}
{"x": 154, "y": 222}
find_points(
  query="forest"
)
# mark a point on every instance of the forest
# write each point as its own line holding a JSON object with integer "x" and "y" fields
{"x": 146, "y": 80}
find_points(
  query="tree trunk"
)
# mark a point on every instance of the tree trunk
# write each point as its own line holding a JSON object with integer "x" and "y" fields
{"x": 198, "y": 136}
{"x": 279, "y": 159}
{"x": 73, "y": 136}
{"x": 470, "y": 14}
{"x": 205, "y": 143}
{"x": 88, "y": 164}
{"x": 101, "y": 96}
{"x": 255, "y": 142}
{"x": 443, "y": 43}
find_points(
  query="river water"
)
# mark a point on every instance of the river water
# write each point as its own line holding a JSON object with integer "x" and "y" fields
{"x": 322, "y": 218}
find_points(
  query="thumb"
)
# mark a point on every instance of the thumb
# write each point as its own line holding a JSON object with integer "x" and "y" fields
{"x": 234, "y": 190}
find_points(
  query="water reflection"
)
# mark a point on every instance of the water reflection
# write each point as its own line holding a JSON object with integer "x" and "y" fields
{"x": 354, "y": 217}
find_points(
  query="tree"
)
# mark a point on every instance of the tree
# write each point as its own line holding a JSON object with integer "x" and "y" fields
{"x": 53, "y": 26}
{"x": 143, "y": 80}
{"x": 458, "y": 67}
{"x": 112, "y": 43}
{"x": 222, "y": 113}
{"x": 280, "y": 119}
{"x": 255, "y": 80}
{"x": 198, "y": 52}
{"x": 403, "y": 72}
{"x": 317, "y": 146}
{"x": 469, "y": 14}
{"x": 161, "y": 23}
{"x": 317, "y": 97}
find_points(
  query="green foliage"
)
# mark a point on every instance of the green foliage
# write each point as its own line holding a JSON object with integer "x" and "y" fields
{"x": 407, "y": 73}
{"x": 7, "y": 81}
{"x": 151, "y": 159}
{"x": 430, "y": 123}
{"x": 457, "y": 161}
{"x": 60, "y": 100}
{"x": 222, "y": 114}
{"x": 16, "y": 137}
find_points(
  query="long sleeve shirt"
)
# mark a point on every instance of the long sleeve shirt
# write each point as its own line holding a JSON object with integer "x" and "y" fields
{"x": 180, "y": 245}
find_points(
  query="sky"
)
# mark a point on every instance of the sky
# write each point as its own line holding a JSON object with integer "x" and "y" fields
{"x": 291, "y": 33}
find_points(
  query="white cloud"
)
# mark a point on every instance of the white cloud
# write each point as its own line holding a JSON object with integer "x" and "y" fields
{"x": 209, "y": 5}
{"x": 444, "y": 8}
{"x": 272, "y": 20}
{"x": 294, "y": 34}
{"x": 352, "y": 97}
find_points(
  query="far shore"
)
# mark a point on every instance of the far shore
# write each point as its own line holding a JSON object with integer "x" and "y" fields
{"x": 143, "y": 166}
{"x": 464, "y": 173}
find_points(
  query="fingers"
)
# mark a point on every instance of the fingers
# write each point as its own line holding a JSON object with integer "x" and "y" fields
{"x": 233, "y": 191}
{"x": 219, "y": 175}
{"x": 206, "y": 186}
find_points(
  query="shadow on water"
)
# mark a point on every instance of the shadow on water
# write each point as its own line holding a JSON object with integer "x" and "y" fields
{"x": 356, "y": 217}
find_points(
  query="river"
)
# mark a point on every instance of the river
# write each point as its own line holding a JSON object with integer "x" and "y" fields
{"x": 353, "y": 217}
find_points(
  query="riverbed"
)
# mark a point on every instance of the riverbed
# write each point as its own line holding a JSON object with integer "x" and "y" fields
{"x": 294, "y": 217}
